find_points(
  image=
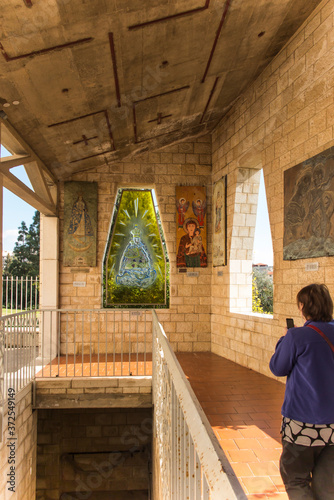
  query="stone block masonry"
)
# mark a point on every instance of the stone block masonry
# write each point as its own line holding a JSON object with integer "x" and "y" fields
{"x": 94, "y": 392}
{"x": 19, "y": 446}
{"x": 102, "y": 453}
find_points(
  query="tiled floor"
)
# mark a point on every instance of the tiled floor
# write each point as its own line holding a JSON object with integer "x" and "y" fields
{"x": 243, "y": 408}
{"x": 98, "y": 366}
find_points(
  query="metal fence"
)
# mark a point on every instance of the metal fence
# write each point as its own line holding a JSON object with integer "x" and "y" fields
{"x": 19, "y": 346}
{"x": 94, "y": 342}
{"x": 192, "y": 463}
{"x": 19, "y": 293}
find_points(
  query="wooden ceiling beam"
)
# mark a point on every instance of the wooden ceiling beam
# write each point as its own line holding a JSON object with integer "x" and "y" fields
{"x": 17, "y": 145}
{"x": 38, "y": 182}
{"x": 22, "y": 191}
{"x": 43, "y": 196}
{"x": 14, "y": 161}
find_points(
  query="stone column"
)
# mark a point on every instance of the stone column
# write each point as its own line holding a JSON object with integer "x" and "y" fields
{"x": 49, "y": 287}
{"x": 1, "y": 223}
{"x": 242, "y": 240}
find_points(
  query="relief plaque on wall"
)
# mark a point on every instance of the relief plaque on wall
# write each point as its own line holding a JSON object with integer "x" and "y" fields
{"x": 191, "y": 236}
{"x": 309, "y": 208}
{"x": 219, "y": 222}
{"x": 80, "y": 224}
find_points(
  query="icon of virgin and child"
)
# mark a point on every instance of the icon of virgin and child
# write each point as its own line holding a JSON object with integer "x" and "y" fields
{"x": 191, "y": 252}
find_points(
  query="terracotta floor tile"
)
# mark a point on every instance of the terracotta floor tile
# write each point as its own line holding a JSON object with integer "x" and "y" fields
{"x": 257, "y": 496}
{"x": 252, "y": 431}
{"x": 227, "y": 444}
{"x": 248, "y": 444}
{"x": 277, "y": 480}
{"x": 229, "y": 433}
{"x": 242, "y": 469}
{"x": 278, "y": 496}
{"x": 264, "y": 469}
{"x": 269, "y": 443}
{"x": 266, "y": 455}
{"x": 262, "y": 484}
{"x": 242, "y": 456}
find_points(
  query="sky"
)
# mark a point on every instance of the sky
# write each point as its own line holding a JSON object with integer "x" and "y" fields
{"x": 263, "y": 248}
{"x": 15, "y": 211}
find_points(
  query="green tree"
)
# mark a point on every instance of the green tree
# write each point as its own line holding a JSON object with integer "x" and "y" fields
{"x": 25, "y": 258}
{"x": 256, "y": 302}
{"x": 264, "y": 285}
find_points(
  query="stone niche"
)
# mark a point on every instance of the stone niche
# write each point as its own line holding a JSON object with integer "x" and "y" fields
{"x": 94, "y": 454}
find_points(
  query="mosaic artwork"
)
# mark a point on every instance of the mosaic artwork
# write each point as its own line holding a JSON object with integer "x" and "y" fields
{"x": 219, "y": 223}
{"x": 309, "y": 208}
{"x": 80, "y": 224}
{"x": 135, "y": 267}
{"x": 191, "y": 226}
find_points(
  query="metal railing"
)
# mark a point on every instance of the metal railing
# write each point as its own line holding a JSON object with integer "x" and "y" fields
{"x": 94, "y": 342}
{"x": 19, "y": 346}
{"x": 192, "y": 463}
{"x": 19, "y": 293}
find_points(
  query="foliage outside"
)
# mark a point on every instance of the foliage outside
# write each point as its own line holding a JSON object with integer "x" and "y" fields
{"x": 262, "y": 293}
{"x": 23, "y": 262}
{"x": 25, "y": 258}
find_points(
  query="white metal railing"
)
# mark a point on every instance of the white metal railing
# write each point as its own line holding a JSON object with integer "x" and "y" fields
{"x": 19, "y": 350}
{"x": 19, "y": 293}
{"x": 192, "y": 463}
{"x": 94, "y": 342}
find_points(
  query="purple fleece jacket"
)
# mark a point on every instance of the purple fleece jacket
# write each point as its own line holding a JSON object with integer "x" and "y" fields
{"x": 308, "y": 362}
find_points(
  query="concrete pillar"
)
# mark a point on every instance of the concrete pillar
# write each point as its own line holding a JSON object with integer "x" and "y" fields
{"x": 1, "y": 245}
{"x": 242, "y": 240}
{"x": 49, "y": 286}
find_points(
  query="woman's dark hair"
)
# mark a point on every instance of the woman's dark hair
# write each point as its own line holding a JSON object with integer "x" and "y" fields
{"x": 317, "y": 304}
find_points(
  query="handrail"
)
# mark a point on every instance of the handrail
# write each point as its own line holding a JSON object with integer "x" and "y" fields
{"x": 187, "y": 445}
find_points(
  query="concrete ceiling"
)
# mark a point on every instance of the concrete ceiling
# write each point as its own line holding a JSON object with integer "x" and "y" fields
{"x": 100, "y": 80}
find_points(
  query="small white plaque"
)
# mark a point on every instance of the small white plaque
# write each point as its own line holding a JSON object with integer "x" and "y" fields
{"x": 193, "y": 274}
{"x": 312, "y": 266}
{"x": 79, "y": 283}
{"x": 220, "y": 273}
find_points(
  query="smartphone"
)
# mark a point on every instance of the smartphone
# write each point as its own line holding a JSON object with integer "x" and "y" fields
{"x": 289, "y": 323}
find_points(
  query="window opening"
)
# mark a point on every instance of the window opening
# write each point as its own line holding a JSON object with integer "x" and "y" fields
{"x": 262, "y": 277}
{"x": 243, "y": 244}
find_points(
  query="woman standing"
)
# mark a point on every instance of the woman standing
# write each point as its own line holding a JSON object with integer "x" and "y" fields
{"x": 306, "y": 356}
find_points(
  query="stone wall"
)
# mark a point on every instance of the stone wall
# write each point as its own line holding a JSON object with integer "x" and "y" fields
{"x": 284, "y": 118}
{"x": 91, "y": 453}
{"x": 187, "y": 321}
{"x": 93, "y": 392}
{"x": 23, "y": 451}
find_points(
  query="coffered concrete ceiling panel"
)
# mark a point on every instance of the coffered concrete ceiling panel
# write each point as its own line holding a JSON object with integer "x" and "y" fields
{"x": 163, "y": 109}
{"x": 96, "y": 81}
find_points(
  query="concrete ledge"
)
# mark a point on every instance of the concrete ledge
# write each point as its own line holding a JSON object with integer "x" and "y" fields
{"x": 93, "y": 392}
